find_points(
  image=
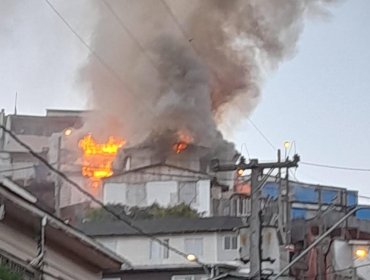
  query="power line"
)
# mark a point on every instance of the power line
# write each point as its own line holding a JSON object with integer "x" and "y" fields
{"x": 182, "y": 30}
{"x": 128, "y": 222}
{"x": 65, "y": 177}
{"x": 20, "y": 168}
{"x": 262, "y": 134}
{"x": 364, "y": 196}
{"x": 339, "y": 270}
{"x": 336, "y": 167}
{"x": 94, "y": 53}
{"x": 16, "y": 169}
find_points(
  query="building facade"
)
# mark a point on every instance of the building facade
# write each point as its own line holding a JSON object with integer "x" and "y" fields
{"x": 213, "y": 240}
{"x": 36, "y": 245}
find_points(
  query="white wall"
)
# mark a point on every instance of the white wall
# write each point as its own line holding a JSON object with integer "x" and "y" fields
{"x": 114, "y": 193}
{"x": 165, "y": 193}
{"x": 226, "y": 255}
{"x": 161, "y": 192}
{"x": 139, "y": 248}
{"x": 270, "y": 246}
{"x": 204, "y": 197}
{"x": 343, "y": 258}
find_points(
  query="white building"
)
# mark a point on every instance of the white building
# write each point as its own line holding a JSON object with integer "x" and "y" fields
{"x": 35, "y": 131}
{"x": 163, "y": 184}
{"x": 213, "y": 240}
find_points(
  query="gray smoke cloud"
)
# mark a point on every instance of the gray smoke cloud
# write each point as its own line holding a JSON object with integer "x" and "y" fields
{"x": 189, "y": 65}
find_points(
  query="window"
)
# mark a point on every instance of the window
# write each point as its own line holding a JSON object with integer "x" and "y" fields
{"x": 158, "y": 251}
{"x": 155, "y": 250}
{"x": 194, "y": 246}
{"x": 230, "y": 242}
{"x": 188, "y": 192}
{"x": 136, "y": 194}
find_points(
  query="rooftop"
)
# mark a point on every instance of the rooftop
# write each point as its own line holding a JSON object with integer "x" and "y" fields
{"x": 168, "y": 225}
{"x": 21, "y": 206}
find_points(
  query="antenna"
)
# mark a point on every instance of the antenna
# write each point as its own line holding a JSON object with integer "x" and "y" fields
{"x": 15, "y": 103}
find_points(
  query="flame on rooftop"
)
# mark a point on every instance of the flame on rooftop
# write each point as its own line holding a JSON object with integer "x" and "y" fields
{"x": 98, "y": 157}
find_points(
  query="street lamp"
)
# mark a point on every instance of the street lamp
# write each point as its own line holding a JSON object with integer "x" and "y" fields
{"x": 191, "y": 258}
{"x": 67, "y": 131}
{"x": 319, "y": 239}
{"x": 286, "y": 147}
{"x": 361, "y": 253}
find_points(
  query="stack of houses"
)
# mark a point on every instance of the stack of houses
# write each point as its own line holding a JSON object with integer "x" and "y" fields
{"x": 293, "y": 214}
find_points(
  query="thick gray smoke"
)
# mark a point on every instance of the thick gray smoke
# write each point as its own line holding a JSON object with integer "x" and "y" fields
{"x": 188, "y": 65}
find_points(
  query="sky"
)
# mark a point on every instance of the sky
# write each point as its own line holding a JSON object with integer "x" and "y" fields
{"x": 319, "y": 98}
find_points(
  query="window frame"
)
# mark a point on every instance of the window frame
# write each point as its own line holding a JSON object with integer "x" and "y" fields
{"x": 231, "y": 243}
{"x": 163, "y": 251}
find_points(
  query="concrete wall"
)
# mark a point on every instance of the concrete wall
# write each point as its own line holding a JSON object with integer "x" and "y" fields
{"x": 69, "y": 195}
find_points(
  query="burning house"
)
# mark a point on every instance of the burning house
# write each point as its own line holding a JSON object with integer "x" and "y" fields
{"x": 178, "y": 82}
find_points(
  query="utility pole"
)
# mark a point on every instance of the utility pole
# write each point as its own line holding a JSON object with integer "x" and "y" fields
{"x": 257, "y": 170}
{"x": 320, "y": 252}
{"x": 58, "y": 181}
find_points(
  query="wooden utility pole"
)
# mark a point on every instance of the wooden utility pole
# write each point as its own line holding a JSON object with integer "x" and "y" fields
{"x": 257, "y": 183}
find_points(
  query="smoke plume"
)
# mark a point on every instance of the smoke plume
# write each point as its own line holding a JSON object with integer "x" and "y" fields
{"x": 188, "y": 65}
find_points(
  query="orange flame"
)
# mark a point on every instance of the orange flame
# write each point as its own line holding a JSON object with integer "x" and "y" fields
{"x": 180, "y": 147}
{"x": 184, "y": 140}
{"x": 98, "y": 157}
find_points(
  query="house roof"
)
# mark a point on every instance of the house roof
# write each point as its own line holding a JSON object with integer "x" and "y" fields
{"x": 41, "y": 125}
{"x": 20, "y": 204}
{"x": 168, "y": 225}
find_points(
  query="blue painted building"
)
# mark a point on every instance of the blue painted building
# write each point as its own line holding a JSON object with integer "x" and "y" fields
{"x": 305, "y": 199}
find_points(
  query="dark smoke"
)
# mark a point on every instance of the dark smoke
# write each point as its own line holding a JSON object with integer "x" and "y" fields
{"x": 189, "y": 65}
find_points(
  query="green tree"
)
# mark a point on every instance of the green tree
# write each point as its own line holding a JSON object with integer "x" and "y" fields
{"x": 7, "y": 274}
{"x": 137, "y": 213}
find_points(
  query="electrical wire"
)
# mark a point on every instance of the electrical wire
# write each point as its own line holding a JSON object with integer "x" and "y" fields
{"x": 364, "y": 196}
{"x": 95, "y": 54}
{"x": 273, "y": 147}
{"x": 335, "y": 167}
{"x": 65, "y": 177}
{"x": 16, "y": 169}
{"x": 127, "y": 221}
{"x": 338, "y": 271}
{"x": 185, "y": 35}
{"x": 20, "y": 168}
{"x": 189, "y": 39}
{"x": 244, "y": 145}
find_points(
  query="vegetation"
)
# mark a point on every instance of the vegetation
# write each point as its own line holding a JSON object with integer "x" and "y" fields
{"x": 7, "y": 274}
{"x": 150, "y": 212}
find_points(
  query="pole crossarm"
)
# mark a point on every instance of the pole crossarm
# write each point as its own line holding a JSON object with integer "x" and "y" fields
{"x": 254, "y": 164}
{"x": 257, "y": 171}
